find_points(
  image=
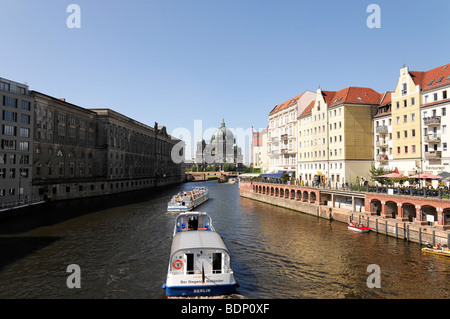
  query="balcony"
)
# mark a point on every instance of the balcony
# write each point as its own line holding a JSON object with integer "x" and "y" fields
{"x": 275, "y": 139}
{"x": 382, "y": 129}
{"x": 382, "y": 158}
{"x": 382, "y": 143}
{"x": 286, "y": 151}
{"x": 284, "y": 137}
{"x": 433, "y": 138}
{"x": 433, "y": 155}
{"x": 432, "y": 121}
{"x": 274, "y": 152}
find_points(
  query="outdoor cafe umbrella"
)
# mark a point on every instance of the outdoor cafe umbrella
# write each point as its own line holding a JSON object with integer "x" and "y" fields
{"x": 426, "y": 176}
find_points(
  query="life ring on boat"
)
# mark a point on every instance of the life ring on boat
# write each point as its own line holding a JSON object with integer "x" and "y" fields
{"x": 177, "y": 264}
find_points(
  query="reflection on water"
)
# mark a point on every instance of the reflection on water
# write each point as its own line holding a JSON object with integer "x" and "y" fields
{"x": 123, "y": 251}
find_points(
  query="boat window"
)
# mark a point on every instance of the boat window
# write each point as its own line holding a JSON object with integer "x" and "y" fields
{"x": 217, "y": 263}
{"x": 190, "y": 264}
{"x": 193, "y": 223}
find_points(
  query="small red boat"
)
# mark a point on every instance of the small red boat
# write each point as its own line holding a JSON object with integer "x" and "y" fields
{"x": 358, "y": 228}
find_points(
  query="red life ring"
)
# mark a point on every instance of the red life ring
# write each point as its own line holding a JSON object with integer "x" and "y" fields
{"x": 177, "y": 264}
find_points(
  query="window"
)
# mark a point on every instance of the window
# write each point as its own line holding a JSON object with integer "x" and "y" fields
{"x": 430, "y": 83}
{"x": 9, "y": 116}
{"x": 413, "y": 117}
{"x": 404, "y": 91}
{"x": 398, "y": 135}
{"x": 435, "y": 96}
{"x": 443, "y": 111}
{"x": 4, "y": 86}
{"x": 24, "y": 146}
{"x": 406, "y": 149}
{"x": 413, "y": 133}
{"x": 444, "y": 146}
{"x": 398, "y": 150}
{"x": 26, "y": 105}
{"x": 397, "y": 105}
{"x": 24, "y": 132}
{"x": 9, "y": 101}
{"x": 9, "y": 130}
{"x": 405, "y": 104}
{"x": 444, "y": 94}
{"x": 25, "y": 119}
{"x": 413, "y": 148}
{"x": 405, "y": 118}
{"x": 190, "y": 264}
{"x": 405, "y": 133}
{"x": 413, "y": 101}
{"x": 439, "y": 80}
{"x": 397, "y": 119}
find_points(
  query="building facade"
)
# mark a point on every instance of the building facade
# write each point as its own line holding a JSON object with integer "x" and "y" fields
{"x": 406, "y": 135}
{"x": 435, "y": 120}
{"x": 82, "y": 152}
{"x": 383, "y": 133}
{"x": 335, "y": 136}
{"x": 16, "y": 154}
{"x": 411, "y": 132}
{"x": 282, "y": 133}
{"x": 64, "y": 149}
{"x": 132, "y": 155}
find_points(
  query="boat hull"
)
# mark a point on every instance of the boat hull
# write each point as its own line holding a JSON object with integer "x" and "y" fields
{"x": 185, "y": 208}
{"x": 359, "y": 229}
{"x": 192, "y": 291}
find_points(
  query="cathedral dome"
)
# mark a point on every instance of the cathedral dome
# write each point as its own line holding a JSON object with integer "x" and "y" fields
{"x": 222, "y": 134}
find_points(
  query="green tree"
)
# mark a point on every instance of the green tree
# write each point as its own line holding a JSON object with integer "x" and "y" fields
{"x": 285, "y": 177}
{"x": 375, "y": 172}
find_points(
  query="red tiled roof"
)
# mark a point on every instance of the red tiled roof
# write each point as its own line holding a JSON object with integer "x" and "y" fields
{"x": 357, "y": 95}
{"x": 385, "y": 98}
{"x": 424, "y": 78}
{"x": 383, "y": 108}
{"x": 285, "y": 105}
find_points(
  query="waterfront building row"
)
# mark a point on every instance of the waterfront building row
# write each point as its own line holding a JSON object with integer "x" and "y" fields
{"x": 336, "y": 136}
{"x": 51, "y": 148}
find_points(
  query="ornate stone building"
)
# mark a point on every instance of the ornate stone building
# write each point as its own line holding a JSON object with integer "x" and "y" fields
{"x": 82, "y": 152}
{"x": 220, "y": 150}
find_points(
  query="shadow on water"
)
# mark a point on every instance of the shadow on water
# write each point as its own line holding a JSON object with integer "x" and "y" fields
{"x": 14, "y": 248}
{"x": 52, "y": 213}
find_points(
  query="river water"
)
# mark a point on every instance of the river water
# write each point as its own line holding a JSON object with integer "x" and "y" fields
{"x": 122, "y": 246}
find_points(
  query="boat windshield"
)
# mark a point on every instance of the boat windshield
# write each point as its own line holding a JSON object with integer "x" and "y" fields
{"x": 195, "y": 221}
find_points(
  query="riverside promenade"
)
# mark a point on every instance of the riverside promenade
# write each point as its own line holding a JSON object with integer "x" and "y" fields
{"x": 425, "y": 220}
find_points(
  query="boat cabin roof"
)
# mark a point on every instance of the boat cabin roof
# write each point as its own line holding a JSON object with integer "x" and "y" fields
{"x": 191, "y": 240}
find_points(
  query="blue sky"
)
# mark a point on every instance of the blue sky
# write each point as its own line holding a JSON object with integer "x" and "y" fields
{"x": 177, "y": 61}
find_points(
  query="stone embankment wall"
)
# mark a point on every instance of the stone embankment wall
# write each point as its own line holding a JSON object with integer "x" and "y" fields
{"x": 400, "y": 229}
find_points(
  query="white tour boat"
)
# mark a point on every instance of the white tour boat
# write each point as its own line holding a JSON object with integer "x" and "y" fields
{"x": 200, "y": 263}
{"x": 188, "y": 200}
